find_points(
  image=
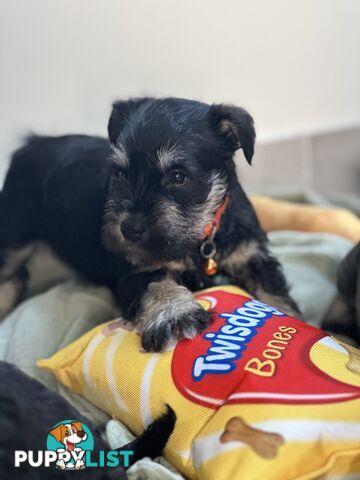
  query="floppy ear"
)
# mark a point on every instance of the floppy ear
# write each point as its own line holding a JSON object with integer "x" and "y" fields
{"x": 120, "y": 114}
{"x": 77, "y": 425}
{"x": 56, "y": 432}
{"x": 236, "y": 125}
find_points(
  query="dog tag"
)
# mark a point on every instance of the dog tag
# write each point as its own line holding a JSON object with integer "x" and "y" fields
{"x": 210, "y": 267}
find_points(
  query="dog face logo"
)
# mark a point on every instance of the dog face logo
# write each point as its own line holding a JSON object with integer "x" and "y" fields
{"x": 69, "y": 434}
{"x": 70, "y": 439}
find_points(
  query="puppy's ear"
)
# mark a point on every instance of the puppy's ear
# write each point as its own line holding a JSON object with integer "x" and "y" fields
{"x": 120, "y": 114}
{"x": 236, "y": 125}
{"x": 77, "y": 425}
{"x": 57, "y": 433}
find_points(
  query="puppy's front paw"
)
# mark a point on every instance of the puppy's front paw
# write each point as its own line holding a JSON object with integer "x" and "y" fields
{"x": 171, "y": 325}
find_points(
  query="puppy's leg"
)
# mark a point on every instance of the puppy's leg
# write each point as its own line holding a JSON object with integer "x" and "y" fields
{"x": 12, "y": 291}
{"x": 251, "y": 267}
{"x": 343, "y": 314}
{"x": 12, "y": 259}
{"x": 162, "y": 310}
{"x": 15, "y": 250}
{"x": 153, "y": 440}
{"x": 13, "y": 277}
{"x": 168, "y": 313}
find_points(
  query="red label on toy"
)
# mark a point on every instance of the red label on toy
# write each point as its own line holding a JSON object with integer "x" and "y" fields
{"x": 253, "y": 353}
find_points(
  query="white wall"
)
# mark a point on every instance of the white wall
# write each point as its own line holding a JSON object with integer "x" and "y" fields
{"x": 294, "y": 64}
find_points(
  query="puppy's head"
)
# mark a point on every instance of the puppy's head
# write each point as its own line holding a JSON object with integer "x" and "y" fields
{"x": 171, "y": 169}
{"x": 69, "y": 434}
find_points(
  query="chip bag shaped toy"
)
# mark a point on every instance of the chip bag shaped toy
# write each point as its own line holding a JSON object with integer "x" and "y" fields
{"x": 258, "y": 395}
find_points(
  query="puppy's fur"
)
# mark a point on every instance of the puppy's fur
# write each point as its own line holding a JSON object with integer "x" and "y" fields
{"x": 343, "y": 315}
{"x": 28, "y": 412}
{"x": 130, "y": 212}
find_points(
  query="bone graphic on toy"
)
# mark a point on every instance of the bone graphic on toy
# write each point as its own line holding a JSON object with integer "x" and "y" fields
{"x": 353, "y": 363}
{"x": 264, "y": 444}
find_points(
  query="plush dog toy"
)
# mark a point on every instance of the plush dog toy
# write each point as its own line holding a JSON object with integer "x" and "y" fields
{"x": 258, "y": 394}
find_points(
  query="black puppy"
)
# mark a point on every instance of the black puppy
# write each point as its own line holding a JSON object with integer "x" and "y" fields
{"x": 28, "y": 411}
{"x": 343, "y": 315}
{"x": 151, "y": 214}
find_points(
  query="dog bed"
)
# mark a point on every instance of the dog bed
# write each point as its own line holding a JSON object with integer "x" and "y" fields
{"x": 61, "y": 308}
{"x": 47, "y": 322}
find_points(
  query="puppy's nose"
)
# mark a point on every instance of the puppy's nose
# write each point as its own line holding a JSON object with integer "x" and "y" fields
{"x": 80, "y": 433}
{"x": 133, "y": 228}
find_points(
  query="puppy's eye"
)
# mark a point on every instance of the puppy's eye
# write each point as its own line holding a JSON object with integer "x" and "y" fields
{"x": 177, "y": 177}
{"x": 67, "y": 432}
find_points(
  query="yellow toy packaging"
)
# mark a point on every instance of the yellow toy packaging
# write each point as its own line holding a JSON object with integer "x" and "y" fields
{"x": 259, "y": 395}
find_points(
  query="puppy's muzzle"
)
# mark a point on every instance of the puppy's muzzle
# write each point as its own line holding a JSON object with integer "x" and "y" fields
{"x": 133, "y": 228}
{"x": 80, "y": 434}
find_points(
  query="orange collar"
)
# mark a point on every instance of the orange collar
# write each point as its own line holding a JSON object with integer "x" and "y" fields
{"x": 212, "y": 227}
